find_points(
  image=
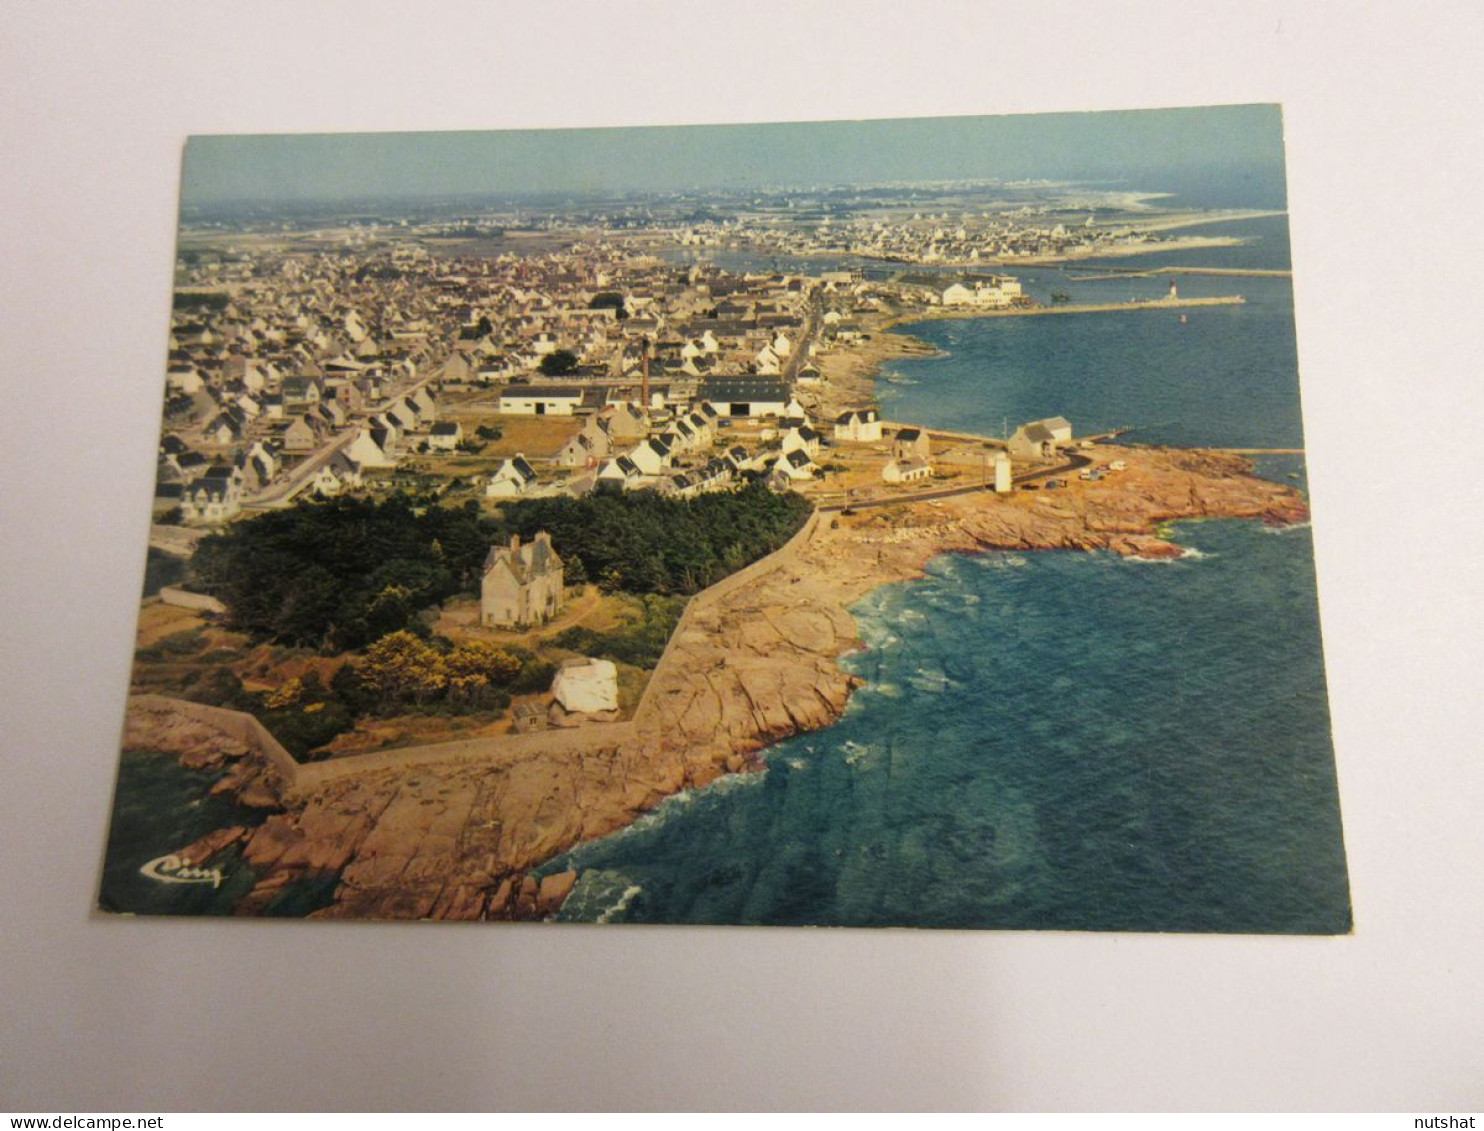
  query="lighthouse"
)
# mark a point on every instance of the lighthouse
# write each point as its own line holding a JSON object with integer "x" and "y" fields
{"x": 1002, "y": 473}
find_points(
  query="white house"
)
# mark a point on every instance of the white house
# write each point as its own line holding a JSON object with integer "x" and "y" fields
{"x": 513, "y": 477}
{"x": 368, "y": 450}
{"x": 859, "y": 426}
{"x": 540, "y": 400}
{"x": 619, "y": 474}
{"x": 212, "y": 498}
{"x": 652, "y": 456}
{"x": 403, "y": 414}
{"x": 908, "y": 470}
{"x": 298, "y": 437}
{"x": 997, "y": 291}
{"x": 445, "y": 436}
{"x": 583, "y": 449}
{"x": 705, "y": 431}
{"x": 422, "y": 402}
{"x": 804, "y": 439}
{"x": 1039, "y": 438}
{"x": 795, "y": 465}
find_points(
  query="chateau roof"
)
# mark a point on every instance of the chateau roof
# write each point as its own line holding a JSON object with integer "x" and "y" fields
{"x": 527, "y": 562}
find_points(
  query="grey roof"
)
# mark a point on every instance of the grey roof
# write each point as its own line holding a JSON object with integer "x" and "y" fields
{"x": 745, "y": 389}
{"x": 556, "y": 392}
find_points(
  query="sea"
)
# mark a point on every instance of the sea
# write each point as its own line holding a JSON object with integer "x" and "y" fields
{"x": 1054, "y": 740}
{"x": 159, "y": 807}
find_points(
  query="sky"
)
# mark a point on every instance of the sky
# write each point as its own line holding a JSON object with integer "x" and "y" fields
{"x": 1139, "y": 147}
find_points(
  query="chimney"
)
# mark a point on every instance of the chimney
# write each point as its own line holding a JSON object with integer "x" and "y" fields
{"x": 646, "y": 373}
{"x": 514, "y": 543}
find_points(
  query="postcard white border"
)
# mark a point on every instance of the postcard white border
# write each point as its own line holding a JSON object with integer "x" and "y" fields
{"x": 182, "y": 1015}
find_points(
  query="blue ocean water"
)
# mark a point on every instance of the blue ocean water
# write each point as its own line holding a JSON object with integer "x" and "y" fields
{"x": 1227, "y": 376}
{"x": 1051, "y": 740}
{"x": 160, "y": 807}
{"x": 1059, "y": 740}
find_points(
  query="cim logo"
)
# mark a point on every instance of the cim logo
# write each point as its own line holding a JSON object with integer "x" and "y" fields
{"x": 171, "y": 869}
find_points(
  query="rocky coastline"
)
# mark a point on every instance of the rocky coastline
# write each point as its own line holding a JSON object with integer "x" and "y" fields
{"x": 459, "y": 840}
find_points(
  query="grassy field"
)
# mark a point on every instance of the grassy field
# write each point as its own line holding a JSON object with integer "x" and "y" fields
{"x": 538, "y": 437}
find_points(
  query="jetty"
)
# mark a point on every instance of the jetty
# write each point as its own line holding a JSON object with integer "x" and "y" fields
{"x": 1100, "y": 273}
{"x": 1068, "y": 308}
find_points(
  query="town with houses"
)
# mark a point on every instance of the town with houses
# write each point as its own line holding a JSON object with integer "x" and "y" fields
{"x": 484, "y": 362}
{"x": 540, "y": 496}
{"x": 315, "y": 374}
{"x": 489, "y": 358}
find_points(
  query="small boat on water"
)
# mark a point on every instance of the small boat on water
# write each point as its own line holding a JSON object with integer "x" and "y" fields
{"x": 1183, "y": 320}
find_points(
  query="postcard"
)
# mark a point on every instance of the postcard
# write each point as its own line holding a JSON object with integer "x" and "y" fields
{"x": 889, "y": 523}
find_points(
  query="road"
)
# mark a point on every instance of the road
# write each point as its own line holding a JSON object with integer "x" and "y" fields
{"x": 281, "y": 492}
{"x": 806, "y": 337}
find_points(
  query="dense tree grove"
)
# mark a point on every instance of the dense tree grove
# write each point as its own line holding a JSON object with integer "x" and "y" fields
{"x": 642, "y": 542}
{"x": 342, "y": 573}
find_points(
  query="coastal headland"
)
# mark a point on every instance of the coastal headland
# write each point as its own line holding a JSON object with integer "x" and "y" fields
{"x": 753, "y": 661}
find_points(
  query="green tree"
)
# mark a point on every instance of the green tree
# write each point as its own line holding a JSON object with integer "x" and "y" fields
{"x": 558, "y": 363}
{"x": 609, "y": 300}
{"x": 400, "y": 667}
{"x": 476, "y": 665}
{"x": 341, "y": 573}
